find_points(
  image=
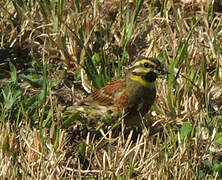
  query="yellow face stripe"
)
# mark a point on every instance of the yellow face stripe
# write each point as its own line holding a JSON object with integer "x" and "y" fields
{"x": 140, "y": 62}
{"x": 141, "y": 70}
{"x": 140, "y": 80}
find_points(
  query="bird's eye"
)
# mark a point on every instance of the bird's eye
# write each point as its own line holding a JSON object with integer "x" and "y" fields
{"x": 146, "y": 65}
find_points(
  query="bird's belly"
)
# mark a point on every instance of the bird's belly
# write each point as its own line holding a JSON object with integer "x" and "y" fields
{"x": 140, "y": 105}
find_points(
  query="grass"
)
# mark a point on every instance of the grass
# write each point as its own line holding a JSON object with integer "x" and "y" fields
{"x": 54, "y": 52}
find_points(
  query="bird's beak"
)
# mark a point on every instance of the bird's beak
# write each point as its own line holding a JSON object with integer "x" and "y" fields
{"x": 160, "y": 71}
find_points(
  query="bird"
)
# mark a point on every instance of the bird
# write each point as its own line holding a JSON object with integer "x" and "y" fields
{"x": 128, "y": 98}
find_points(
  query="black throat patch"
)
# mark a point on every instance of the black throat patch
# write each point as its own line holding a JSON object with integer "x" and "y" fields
{"x": 150, "y": 76}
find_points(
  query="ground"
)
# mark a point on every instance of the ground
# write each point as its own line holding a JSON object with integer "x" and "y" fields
{"x": 53, "y": 53}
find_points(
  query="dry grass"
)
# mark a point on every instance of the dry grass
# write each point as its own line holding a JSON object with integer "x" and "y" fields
{"x": 51, "y": 43}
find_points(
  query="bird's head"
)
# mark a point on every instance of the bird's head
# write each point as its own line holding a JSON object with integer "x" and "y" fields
{"x": 146, "y": 70}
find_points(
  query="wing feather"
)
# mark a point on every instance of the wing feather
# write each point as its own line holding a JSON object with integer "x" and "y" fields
{"x": 106, "y": 95}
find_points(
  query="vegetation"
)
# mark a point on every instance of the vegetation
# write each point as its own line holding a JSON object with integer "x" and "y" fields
{"x": 54, "y": 52}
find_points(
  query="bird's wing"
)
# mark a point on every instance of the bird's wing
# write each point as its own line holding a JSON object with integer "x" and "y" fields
{"x": 106, "y": 96}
